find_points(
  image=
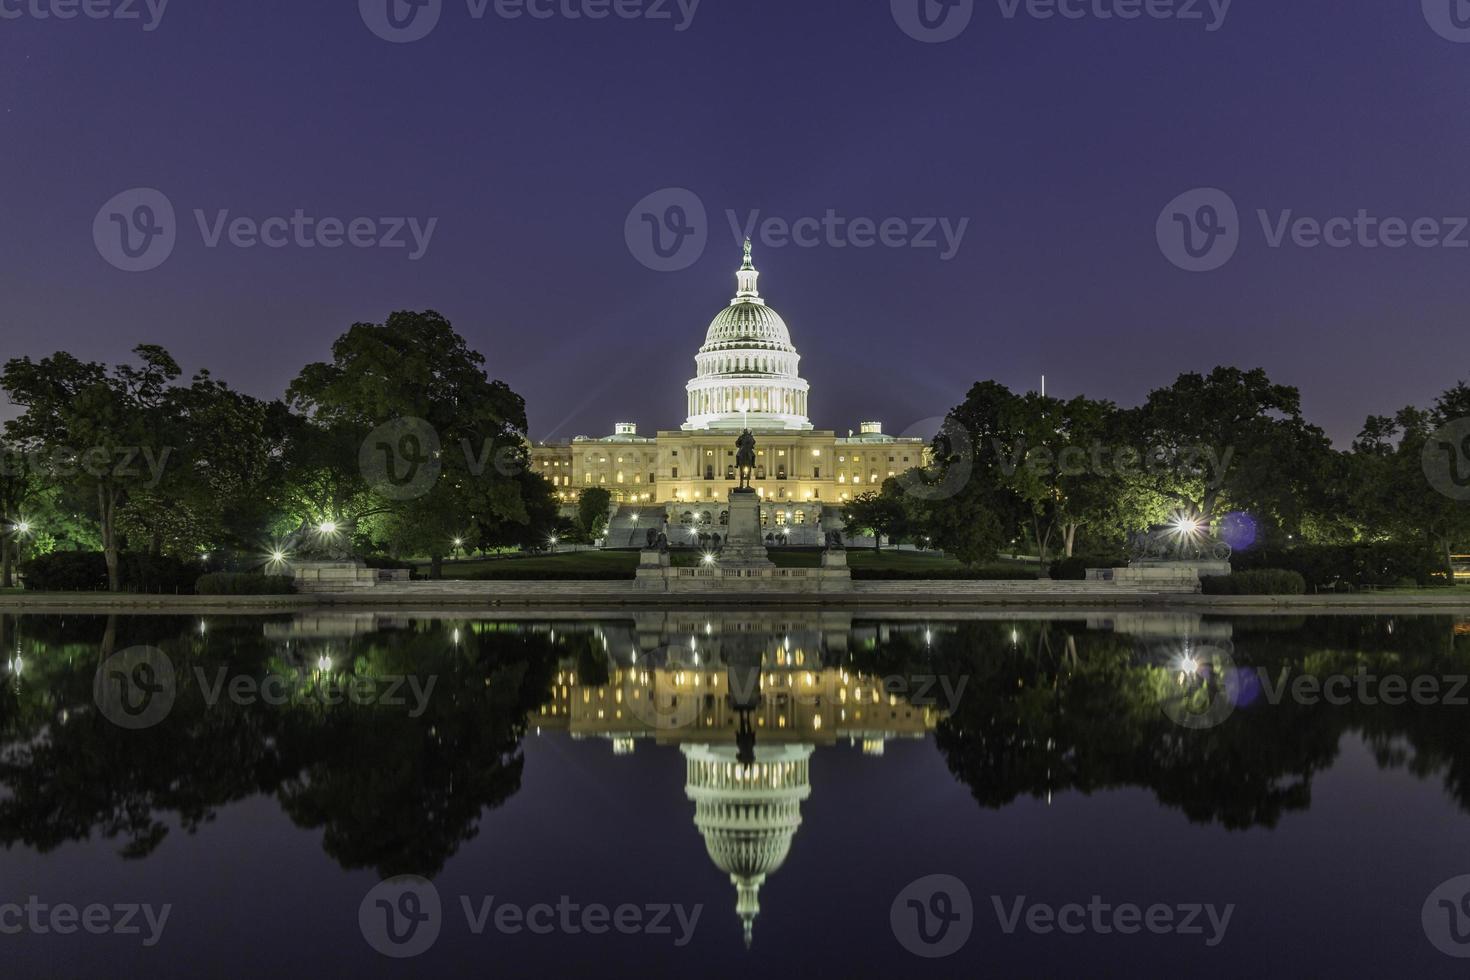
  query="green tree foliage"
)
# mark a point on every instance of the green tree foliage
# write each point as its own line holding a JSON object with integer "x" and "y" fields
{"x": 592, "y": 507}
{"x": 886, "y": 513}
{"x": 104, "y": 432}
{"x": 413, "y": 366}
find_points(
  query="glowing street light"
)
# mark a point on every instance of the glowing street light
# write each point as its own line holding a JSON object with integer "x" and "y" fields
{"x": 22, "y": 528}
{"x": 327, "y": 527}
{"x": 708, "y": 559}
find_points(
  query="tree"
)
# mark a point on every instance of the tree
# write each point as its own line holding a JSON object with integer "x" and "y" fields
{"x": 592, "y": 507}
{"x": 1391, "y": 492}
{"x": 414, "y": 372}
{"x": 106, "y": 431}
{"x": 1231, "y": 439}
{"x": 887, "y": 513}
{"x": 225, "y": 482}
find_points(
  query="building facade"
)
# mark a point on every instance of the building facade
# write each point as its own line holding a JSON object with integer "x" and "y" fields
{"x": 747, "y": 375}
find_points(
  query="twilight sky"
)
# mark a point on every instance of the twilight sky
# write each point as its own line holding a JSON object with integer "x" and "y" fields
{"x": 532, "y": 141}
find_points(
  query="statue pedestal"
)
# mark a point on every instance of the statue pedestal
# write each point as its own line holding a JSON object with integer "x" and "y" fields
{"x": 653, "y": 558}
{"x": 333, "y": 576}
{"x": 834, "y": 558}
{"x": 744, "y": 545}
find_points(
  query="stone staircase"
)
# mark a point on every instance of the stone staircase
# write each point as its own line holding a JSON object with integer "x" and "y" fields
{"x": 629, "y": 525}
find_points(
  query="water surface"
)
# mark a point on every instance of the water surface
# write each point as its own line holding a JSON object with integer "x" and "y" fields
{"x": 740, "y": 794}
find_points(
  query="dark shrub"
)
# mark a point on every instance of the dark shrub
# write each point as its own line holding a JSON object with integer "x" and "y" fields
{"x": 1327, "y": 567}
{"x": 1074, "y": 569}
{"x": 242, "y": 583}
{"x": 1264, "y": 581}
{"x": 86, "y": 571}
{"x": 66, "y": 571}
{"x": 160, "y": 574}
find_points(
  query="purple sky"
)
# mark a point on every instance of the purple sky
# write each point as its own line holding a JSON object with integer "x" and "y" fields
{"x": 531, "y": 140}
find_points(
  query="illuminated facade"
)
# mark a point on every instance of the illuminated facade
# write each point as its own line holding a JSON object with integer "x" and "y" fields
{"x": 747, "y": 374}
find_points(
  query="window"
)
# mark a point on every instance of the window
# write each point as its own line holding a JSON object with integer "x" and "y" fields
{"x": 674, "y": 453}
{"x": 816, "y": 473}
{"x": 709, "y": 472}
{"x": 676, "y": 472}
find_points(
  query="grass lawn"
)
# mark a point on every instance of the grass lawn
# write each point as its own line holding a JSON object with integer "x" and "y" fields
{"x": 622, "y": 564}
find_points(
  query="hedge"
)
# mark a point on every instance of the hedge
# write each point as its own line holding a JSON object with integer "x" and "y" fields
{"x": 1358, "y": 565}
{"x": 86, "y": 571}
{"x": 242, "y": 583}
{"x": 1263, "y": 581}
{"x": 1074, "y": 569}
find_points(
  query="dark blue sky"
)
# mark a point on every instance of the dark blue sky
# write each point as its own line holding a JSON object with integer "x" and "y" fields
{"x": 530, "y": 141}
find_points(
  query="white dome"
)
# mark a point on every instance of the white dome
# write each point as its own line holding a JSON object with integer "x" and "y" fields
{"x": 748, "y": 371}
{"x": 747, "y": 814}
{"x": 748, "y": 324}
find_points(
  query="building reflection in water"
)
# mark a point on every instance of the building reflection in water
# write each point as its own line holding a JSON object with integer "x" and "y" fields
{"x": 747, "y": 699}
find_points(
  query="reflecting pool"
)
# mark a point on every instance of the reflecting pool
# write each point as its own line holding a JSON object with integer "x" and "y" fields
{"x": 721, "y": 794}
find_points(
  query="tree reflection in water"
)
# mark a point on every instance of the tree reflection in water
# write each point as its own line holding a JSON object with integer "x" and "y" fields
{"x": 1048, "y": 707}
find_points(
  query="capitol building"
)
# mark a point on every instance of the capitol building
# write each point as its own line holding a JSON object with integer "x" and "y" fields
{"x": 747, "y": 375}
